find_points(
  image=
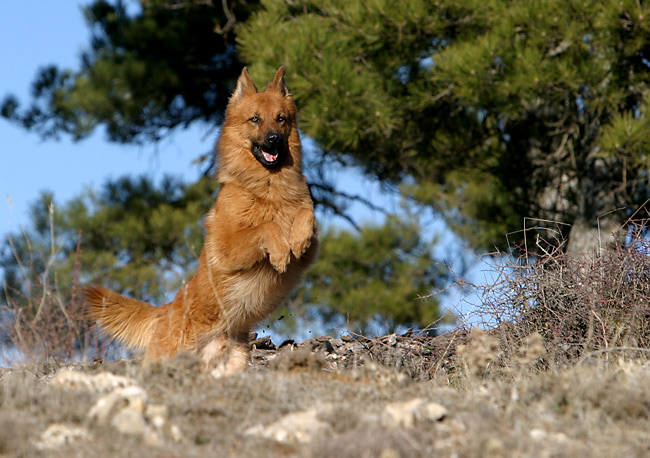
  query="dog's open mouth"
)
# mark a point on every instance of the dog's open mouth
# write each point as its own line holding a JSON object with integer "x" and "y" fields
{"x": 267, "y": 155}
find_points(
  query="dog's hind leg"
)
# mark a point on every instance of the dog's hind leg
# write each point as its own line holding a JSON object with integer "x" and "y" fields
{"x": 225, "y": 355}
{"x": 238, "y": 356}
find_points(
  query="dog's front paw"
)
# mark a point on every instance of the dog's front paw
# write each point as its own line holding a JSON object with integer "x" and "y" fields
{"x": 277, "y": 247}
{"x": 302, "y": 232}
{"x": 279, "y": 260}
{"x": 299, "y": 245}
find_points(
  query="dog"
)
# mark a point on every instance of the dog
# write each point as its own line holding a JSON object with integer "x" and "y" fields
{"x": 260, "y": 238}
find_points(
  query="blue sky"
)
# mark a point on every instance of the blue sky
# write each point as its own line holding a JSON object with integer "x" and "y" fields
{"x": 34, "y": 33}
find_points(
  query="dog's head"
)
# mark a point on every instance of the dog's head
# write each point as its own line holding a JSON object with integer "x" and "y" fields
{"x": 262, "y": 123}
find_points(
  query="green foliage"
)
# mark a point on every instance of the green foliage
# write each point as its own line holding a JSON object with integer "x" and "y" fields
{"x": 492, "y": 111}
{"x": 133, "y": 237}
{"x": 169, "y": 64}
{"x": 379, "y": 274}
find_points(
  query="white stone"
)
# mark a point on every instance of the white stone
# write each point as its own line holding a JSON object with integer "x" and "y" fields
{"x": 107, "y": 381}
{"x": 432, "y": 411}
{"x": 299, "y": 427}
{"x": 101, "y": 383}
{"x": 57, "y": 435}
{"x": 407, "y": 414}
{"x": 401, "y": 414}
{"x": 157, "y": 415}
{"x": 538, "y": 434}
{"x": 176, "y": 434}
{"x": 132, "y": 397}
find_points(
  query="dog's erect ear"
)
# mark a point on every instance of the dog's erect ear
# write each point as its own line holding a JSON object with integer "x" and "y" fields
{"x": 278, "y": 83}
{"x": 244, "y": 87}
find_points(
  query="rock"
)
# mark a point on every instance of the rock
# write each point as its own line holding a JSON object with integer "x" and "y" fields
{"x": 101, "y": 383}
{"x": 157, "y": 415}
{"x": 408, "y": 414}
{"x": 541, "y": 435}
{"x": 57, "y": 435}
{"x": 175, "y": 433}
{"x": 263, "y": 343}
{"x": 322, "y": 344}
{"x": 537, "y": 434}
{"x": 432, "y": 411}
{"x": 107, "y": 381}
{"x": 289, "y": 342}
{"x": 401, "y": 414}
{"x": 133, "y": 423}
{"x": 132, "y": 397}
{"x": 130, "y": 422}
{"x": 294, "y": 428}
{"x": 127, "y": 410}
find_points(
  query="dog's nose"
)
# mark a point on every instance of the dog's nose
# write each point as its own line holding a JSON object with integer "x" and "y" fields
{"x": 273, "y": 138}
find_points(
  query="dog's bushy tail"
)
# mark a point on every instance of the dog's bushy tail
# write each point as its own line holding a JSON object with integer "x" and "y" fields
{"x": 130, "y": 321}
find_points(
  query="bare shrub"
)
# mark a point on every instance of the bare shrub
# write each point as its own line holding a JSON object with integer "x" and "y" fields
{"x": 42, "y": 315}
{"x": 581, "y": 306}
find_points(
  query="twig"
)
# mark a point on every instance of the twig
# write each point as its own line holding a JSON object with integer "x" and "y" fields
{"x": 611, "y": 350}
{"x": 181, "y": 5}
{"x": 634, "y": 214}
{"x": 602, "y": 327}
{"x": 231, "y": 20}
{"x": 17, "y": 255}
{"x": 49, "y": 263}
{"x": 355, "y": 197}
{"x": 446, "y": 352}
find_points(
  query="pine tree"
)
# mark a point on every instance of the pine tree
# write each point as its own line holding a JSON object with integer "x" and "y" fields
{"x": 489, "y": 111}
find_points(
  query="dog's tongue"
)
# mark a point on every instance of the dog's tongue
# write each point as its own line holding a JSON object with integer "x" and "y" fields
{"x": 269, "y": 157}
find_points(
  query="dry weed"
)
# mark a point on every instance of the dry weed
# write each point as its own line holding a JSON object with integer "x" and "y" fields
{"x": 590, "y": 306}
{"x": 43, "y": 315}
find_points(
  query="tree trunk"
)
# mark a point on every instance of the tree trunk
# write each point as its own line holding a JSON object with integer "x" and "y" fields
{"x": 589, "y": 239}
{"x": 600, "y": 212}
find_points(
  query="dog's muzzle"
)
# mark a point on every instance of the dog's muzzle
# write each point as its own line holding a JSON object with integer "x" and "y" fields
{"x": 268, "y": 153}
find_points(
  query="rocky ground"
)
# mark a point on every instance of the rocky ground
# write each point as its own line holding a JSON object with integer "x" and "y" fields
{"x": 394, "y": 396}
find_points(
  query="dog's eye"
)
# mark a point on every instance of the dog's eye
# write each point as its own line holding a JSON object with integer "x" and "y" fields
{"x": 255, "y": 119}
{"x": 281, "y": 119}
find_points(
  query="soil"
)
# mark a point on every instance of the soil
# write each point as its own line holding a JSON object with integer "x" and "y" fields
{"x": 389, "y": 397}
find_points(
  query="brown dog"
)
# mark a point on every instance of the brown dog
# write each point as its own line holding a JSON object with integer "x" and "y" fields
{"x": 261, "y": 236}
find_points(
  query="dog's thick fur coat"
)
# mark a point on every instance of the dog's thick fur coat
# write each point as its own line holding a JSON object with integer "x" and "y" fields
{"x": 260, "y": 238}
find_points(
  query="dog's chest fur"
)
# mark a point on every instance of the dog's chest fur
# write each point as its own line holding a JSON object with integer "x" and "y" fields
{"x": 249, "y": 295}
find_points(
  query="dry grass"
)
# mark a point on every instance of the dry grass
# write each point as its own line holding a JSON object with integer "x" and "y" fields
{"x": 596, "y": 408}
